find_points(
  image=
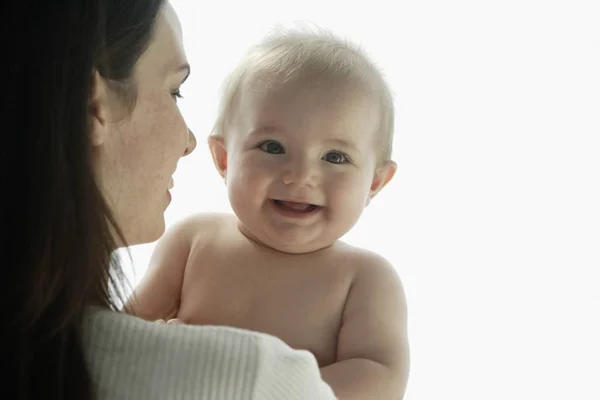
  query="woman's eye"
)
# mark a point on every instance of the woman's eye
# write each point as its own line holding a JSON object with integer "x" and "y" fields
{"x": 335, "y": 157}
{"x": 177, "y": 94}
{"x": 272, "y": 147}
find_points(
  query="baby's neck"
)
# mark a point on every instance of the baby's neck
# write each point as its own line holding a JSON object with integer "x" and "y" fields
{"x": 265, "y": 246}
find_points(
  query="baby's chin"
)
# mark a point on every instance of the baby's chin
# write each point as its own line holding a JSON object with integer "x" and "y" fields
{"x": 289, "y": 245}
{"x": 298, "y": 248}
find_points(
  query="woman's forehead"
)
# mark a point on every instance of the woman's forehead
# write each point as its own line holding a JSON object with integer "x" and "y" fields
{"x": 165, "y": 53}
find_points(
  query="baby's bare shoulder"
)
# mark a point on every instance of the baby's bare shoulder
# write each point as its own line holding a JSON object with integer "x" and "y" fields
{"x": 200, "y": 226}
{"x": 366, "y": 267}
{"x": 359, "y": 258}
{"x": 206, "y": 220}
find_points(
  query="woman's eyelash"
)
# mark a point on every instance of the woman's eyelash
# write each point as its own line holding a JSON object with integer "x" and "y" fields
{"x": 177, "y": 94}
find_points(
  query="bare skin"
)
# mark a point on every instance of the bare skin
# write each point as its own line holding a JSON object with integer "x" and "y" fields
{"x": 300, "y": 163}
{"x": 343, "y": 304}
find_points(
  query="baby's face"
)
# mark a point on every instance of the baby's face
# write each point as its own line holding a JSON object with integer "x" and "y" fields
{"x": 301, "y": 163}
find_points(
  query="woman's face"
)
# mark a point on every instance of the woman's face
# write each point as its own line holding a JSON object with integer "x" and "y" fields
{"x": 136, "y": 151}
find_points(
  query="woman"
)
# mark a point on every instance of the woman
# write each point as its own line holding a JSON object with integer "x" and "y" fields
{"x": 92, "y": 137}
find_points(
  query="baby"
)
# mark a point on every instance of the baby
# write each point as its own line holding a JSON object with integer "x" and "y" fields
{"x": 303, "y": 142}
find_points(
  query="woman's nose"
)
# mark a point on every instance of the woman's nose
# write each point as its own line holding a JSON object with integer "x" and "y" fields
{"x": 191, "y": 145}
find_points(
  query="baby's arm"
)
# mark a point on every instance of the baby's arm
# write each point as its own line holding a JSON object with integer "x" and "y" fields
{"x": 373, "y": 354}
{"x": 158, "y": 294}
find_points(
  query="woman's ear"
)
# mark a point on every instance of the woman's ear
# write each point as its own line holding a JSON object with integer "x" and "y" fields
{"x": 383, "y": 175}
{"x": 219, "y": 154}
{"x": 98, "y": 110}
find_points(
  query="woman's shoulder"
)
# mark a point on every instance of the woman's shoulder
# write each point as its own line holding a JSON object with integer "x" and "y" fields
{"x": 132, "y": 358}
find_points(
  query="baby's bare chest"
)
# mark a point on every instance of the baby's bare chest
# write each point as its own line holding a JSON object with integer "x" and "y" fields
{"x": 300, "y": 299}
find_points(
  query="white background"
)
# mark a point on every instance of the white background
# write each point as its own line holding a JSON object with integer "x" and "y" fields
{"x": 493, "y": 219}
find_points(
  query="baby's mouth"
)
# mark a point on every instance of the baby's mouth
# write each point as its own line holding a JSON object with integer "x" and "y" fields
{"x": 296, "y": 207}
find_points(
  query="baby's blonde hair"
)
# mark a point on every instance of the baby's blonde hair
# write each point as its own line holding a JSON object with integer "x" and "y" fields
{"x": 289, "y": 55}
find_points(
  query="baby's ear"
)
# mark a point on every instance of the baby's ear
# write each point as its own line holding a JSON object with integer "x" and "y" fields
{"x": 383, "y": 175}
{"x": 219, "y": 154}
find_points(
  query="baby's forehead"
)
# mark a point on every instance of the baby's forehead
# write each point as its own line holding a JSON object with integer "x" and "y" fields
{"x": 309, "y": 96}
{"x": 336, "y": 94}
{"x": 313, "y": 110}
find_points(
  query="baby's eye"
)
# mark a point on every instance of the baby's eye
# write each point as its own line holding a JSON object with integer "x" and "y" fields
{"x": 335, "y": 157}
{"x": 272, "y": 147}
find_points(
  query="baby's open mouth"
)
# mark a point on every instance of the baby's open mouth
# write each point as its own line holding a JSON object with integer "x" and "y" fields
{"x": 296, "y": 207}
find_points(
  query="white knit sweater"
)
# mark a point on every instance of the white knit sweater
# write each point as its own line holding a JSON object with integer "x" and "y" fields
{"x": 134, "y": 359}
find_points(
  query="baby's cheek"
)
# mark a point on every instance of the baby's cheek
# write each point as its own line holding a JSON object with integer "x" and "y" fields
{"x": 245, "y": 187}
{"x": 349, "y": 192}
{"x": 258, "y": 173}
{"x": 347, "y": 182}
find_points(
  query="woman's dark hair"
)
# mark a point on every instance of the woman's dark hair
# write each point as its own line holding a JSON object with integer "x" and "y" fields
{"x": 59, "y": 235}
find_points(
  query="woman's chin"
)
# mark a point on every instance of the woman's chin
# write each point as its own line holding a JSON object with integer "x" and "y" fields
{"x": 156, "y": 232}
{"x": 145, "y": 234}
